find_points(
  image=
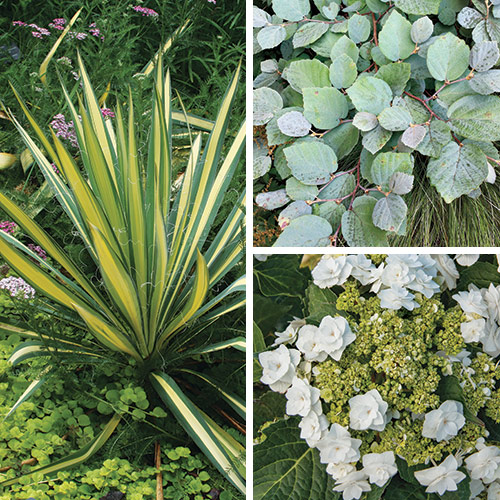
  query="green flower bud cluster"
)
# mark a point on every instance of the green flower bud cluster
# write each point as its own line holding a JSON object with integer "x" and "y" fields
{"x": 377, "y": 259}
{"x": 396, "y": 352}
{"x": 449, "y": 339}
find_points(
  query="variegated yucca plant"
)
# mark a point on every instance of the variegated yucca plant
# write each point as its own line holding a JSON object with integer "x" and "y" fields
{"x": 156, "y": 265}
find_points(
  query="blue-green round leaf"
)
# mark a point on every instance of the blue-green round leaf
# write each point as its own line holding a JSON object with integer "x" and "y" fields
{"x": 357, "y": 225}
{"x": 484, "y": 55}
{"x": 294, "y": 124}
{"x": 271, "y": 36}
{"x": 311, "y": 162}
{"x": 458, "y": 170}
{"x": 324, "y": 107}
{"x": 359, "y": 28}
{"x": 448, "y": 57}
{"x": 305, "y": 231}
{"x": 296, "y": 190}
{"x": 395, "y": 38}
{"x": 389, "y": 213}
{"x": 272, "y": 199}
{"x": 395, "y": 118}
{"x": 345, "y": 46}
{"x": 343, "y": 72}
{"x": 266, "y": 102}
{"x": 307, "y": 73}
{"x": 365, "y": 121}
{"x": 421, "y": 30}
{"x": 293, "y": 211}
{"x": 385, "y": 165}
{"x": 292, "y": 10}
{"x": 419, "y": 7}
{"x": 308, "y": 33}
{"x": 370, "y": 94}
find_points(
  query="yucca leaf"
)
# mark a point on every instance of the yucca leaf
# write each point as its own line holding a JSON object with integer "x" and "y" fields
{"x": 32, "y": 388}
{"x": 231, "y": 399}
{"x": 43, "y": 67}
{"x": 197, "y": 296}
{"x": 238, "y": 343}
{"x": 196, "y": 426}
{"x": 195, "y": 121}
{"x": 36, "y": 348}
{"x": 75, "y": 458}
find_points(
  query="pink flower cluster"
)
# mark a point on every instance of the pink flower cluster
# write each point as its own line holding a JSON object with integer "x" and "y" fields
{"x": 8, "y": 226}
{"x": 212, "y": 1}
{"x": 38, "y": 250}
{"x": 59, "y": 24}
{"x": 17, "y": 287}
{"x": 145, "y": 11}
{"x": 107, "y": 113}
{"x": 39, "y": 33}
{"x": 64, "y": 129}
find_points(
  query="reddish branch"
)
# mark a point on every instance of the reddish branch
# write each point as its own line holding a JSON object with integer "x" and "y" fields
{"x": 159, "y": 478}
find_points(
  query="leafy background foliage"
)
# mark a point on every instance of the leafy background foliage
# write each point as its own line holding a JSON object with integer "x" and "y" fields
{"x": 376, "y": 122}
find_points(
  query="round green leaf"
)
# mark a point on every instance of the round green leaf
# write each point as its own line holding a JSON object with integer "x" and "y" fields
{"x": 266, "y": 102}
{"x": 365, "y": 121}
{"x": 484, "y": 55}
{"x": 293, "y": 211}
{"x": 311, "y": 162}
{"x": 324, "y": 107}
{"x": 421, "y": 30}
{"x": 293, "y": 124}
{"x": 448, "y": 57}
{"x": 343, "y": 72}
{"x": 390, "y": 212}
{"x": 307, "y": 73}
{"x": 308, "y": 33}
{"x": 272, "y": 199}
{"x": 370, "y": 94}
{"x": 395, "y": 118}
{"x": 419, "y": 7}
{"x": 271, "y": 36}
{"x": 292, "y": 10}
{"x": 345, "y": 46}
{"x": 376, "y": 139}
{"x": 458, "y": 170}
{"x": 296, "y": 190}
{"x": 357, "y": 225}
{"x": 395, "y": 38}
{"x": 385, "y": 165}
{"x": 359, "y": 28}
{"x": 305, "y": 231}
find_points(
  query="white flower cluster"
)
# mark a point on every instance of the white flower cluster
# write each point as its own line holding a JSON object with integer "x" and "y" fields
{"x": 395, "y": 281}
{"x": 482, "y": 311}
{"x": 288, "y": 370}
{"x": 17, "y": 287}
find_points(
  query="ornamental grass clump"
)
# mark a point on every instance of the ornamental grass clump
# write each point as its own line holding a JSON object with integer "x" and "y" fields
{"x": 397, "y": 385}
{"x": 357, "y": 104}
{"x": 161, "y": 275}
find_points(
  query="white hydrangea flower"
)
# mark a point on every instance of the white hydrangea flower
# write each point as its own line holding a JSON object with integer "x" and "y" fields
{"x": 443, "y": 477}
{"x": 379, "y": 467}
{"x": 447, "y": 270}
{"x": 424, "y": 283}
{"x": 494, "y": 491}
{"x": 312, "y": 428}
{"x": 397, "y": 272}
{"x": 331, "y": 270}
{"x": 467, "y": 259}
{"x": 279, "y": 367}
{"x": 301, "y": 397}
{"x": 290, "y": 334}
{"x": 476, "y": 487}
{"x": 445, "y": 422}
{"x": 337, "y": 446}
{"x": 362, "y": 268}
{"x": 484, "y": 464}
{"x": 353, "y": 485}
{"x": 339, "y": 471}
{"x": 377, "y": 278}
{"x": 472, "y": 302}
{"x": 473, "y": 331}
{"x": 491, "y": 339}
{"x": 396, "y": 298}
{"x": 368, "y": 411}
{"x": 491, "y": 296}
{"x": 308, "y": 342}
{"x": 334, "y": 335}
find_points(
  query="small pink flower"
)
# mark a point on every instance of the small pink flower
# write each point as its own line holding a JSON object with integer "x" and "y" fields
{"x": 81, "y": 36}
{"x": 18, "y": 23}
{"x": 54, "y": 168}
{"x": 38, "y": 250}
{"x": 145, "y": 11}
{"x": 36, "y": 34}
{"x": 60, "y": 21}
{"x": 107, "y": 113}
{"x": 8, "y": 226}
{"x": 56, "y": 26}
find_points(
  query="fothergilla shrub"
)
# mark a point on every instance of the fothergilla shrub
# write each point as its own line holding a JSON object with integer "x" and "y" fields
{"x": 354, "y": 96}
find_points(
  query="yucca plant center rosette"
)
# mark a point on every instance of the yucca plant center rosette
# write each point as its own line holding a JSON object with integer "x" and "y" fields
{"x": 399, "y": 385}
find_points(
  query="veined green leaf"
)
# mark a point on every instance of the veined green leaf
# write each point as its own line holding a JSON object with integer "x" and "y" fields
{"x": 196, "y": 426}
